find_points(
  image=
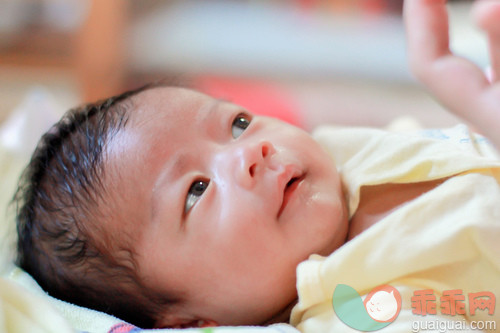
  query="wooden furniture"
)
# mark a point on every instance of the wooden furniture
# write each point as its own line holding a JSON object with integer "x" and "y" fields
{"x": 100, "y": 49}
{"x": 94, "y": 53}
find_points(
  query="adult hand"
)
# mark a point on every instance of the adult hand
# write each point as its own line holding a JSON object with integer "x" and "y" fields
{"x": 460, "y": 85}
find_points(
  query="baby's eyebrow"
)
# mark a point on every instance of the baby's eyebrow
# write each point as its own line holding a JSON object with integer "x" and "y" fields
{"x": 179, "y": 162}
{"x": 174, "y": 168}
{"x": 209, "y": 110}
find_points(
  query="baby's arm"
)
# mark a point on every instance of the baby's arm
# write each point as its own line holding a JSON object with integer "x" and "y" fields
{"x": 461, "y": 86}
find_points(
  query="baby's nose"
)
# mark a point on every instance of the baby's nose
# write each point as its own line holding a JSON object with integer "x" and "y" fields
{"x": 251, "y": 161}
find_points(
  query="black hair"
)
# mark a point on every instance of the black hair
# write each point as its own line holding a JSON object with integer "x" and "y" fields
{"x": 59, "y": 201}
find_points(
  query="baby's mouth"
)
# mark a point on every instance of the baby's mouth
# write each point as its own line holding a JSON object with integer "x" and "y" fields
{"x": 289, "y": 190}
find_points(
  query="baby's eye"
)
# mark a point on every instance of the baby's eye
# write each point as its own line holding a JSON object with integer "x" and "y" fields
{"x": 194, "y": 193}
{"x": 240, "y": 123}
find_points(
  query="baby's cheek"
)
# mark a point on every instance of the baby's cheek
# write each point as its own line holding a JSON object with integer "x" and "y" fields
{"x": 331, "y": 225}
{"x": 242, "y": 235}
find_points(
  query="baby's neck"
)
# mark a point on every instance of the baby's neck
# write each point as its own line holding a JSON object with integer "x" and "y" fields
{"x": 378, "y": 201}
{"x": 283, "y": 316}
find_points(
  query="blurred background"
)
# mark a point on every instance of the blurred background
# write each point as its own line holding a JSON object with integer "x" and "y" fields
{"x": 311, "y": 61}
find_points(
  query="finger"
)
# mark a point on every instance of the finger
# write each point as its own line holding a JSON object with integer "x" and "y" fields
{"x": 459, "y": 84}
{"x": 487, "y": 15}
{"x": 427, "y": 32}
{"x": 464, "y": 90}
{"x": 489, "y": 115}
{"x": 455, "y": 81}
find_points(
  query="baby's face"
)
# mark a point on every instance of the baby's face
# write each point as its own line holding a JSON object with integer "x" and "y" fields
{"x": 228, "y": 203}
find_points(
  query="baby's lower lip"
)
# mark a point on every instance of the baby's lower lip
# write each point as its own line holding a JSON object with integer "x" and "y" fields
{"x": 288, "y": 193}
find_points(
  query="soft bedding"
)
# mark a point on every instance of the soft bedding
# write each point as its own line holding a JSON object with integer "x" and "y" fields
{"x": 27, "y": 308}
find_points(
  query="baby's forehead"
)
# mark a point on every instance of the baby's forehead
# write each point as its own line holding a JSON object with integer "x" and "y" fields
{"x": 161, "y": 119}
{"x": 168, "y": 99}
{"x": 164, "y": 108}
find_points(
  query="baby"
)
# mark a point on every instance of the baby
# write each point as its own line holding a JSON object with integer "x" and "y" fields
{"x": 168, "y": 208}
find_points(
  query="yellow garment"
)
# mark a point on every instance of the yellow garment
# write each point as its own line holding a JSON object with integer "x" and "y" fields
{"x": 448, "y": 238}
